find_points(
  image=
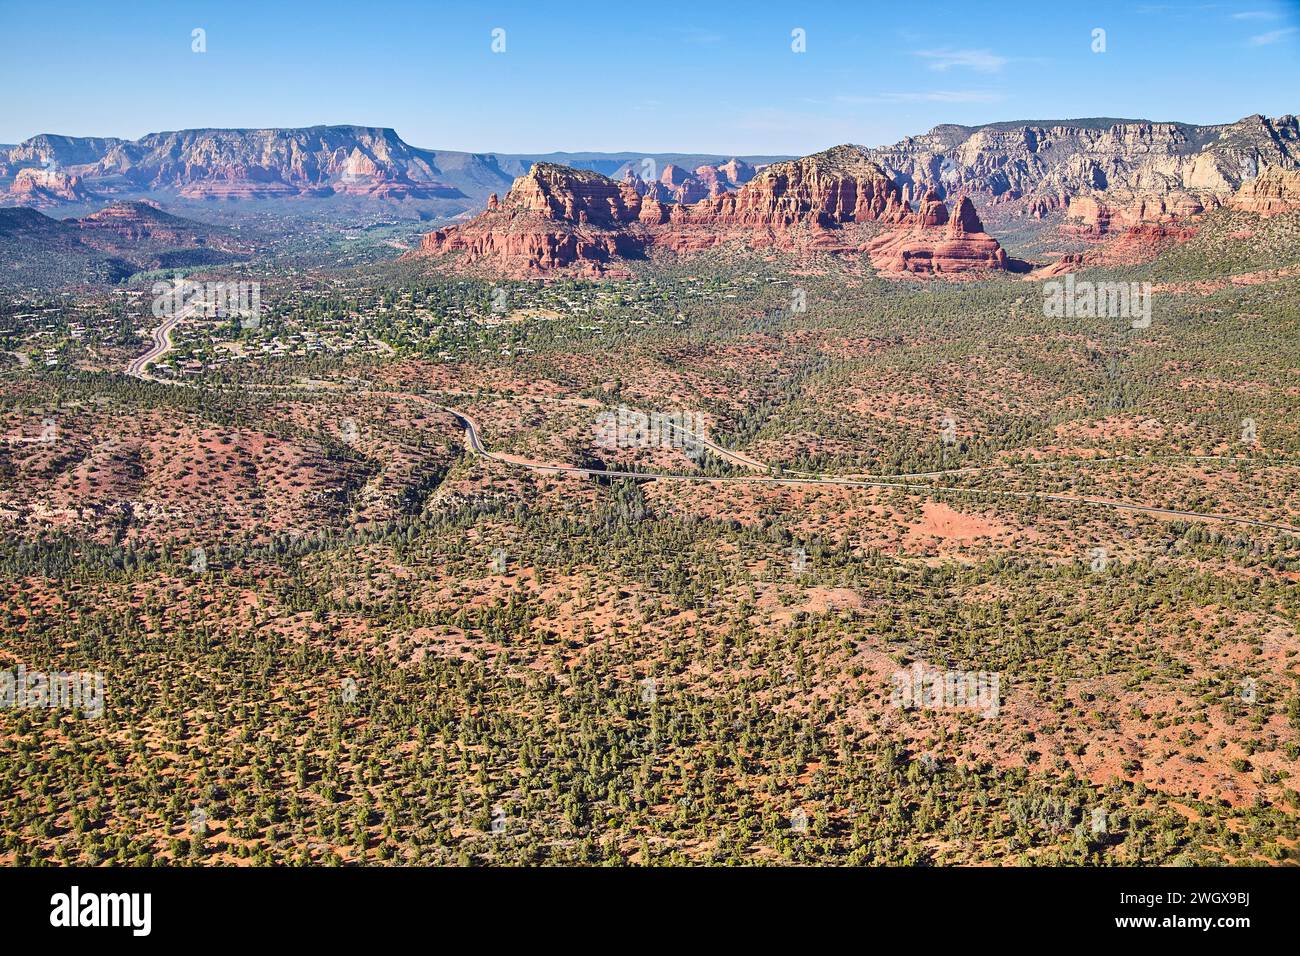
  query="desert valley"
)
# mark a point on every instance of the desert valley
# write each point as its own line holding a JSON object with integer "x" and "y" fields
{"x": 655, "y": 509}
{"x": 504, "y": 436}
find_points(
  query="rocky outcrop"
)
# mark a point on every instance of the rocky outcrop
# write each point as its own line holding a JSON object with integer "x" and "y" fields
{"x": 553, "y": 219}
{"x": 811, "y": 204}
{"x": 1144, "y": 241}
{"x": 47, "y": 187}
{"x": 737, "y": 172}
{"x": 931, "y": 210}
{"x": 240, "y": 182}
{"x": 266, "y": 163}
{"x": 681, "y": 186}
{"x": 57, "y": 152}
{"x": 939, "y": 244}
{"x": 1097, "y": 215}
{"x": 1147, "y": 169}
{"x": 561, "y": 194}
{"x": 724, "y": 177}
{"x": 827, "y": 189}
{"x": 835, "y": 201}
{"x": 1272, "y": 192}
{"x": 128, "y": 222}
{"x": 142, "y": 233}
{"x": 271, "y": 161}
{"x": 678, "y": 186}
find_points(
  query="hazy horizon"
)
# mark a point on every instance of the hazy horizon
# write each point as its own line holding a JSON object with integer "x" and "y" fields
{"x": 596, "y": 153}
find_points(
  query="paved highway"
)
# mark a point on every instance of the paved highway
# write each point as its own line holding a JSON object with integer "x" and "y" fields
{"x": 160, "y": 345}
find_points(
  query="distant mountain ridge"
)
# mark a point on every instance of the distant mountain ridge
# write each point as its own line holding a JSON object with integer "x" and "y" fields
{"x": 1041, "y": 168}
{"x": 1108, "y": 169}
{"x": 1139, "y": 180}
{"x": 318, "y": 161}
{"x": 1096, "y": 178}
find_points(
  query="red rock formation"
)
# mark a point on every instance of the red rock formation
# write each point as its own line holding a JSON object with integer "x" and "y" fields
{"x": 679, "y": 186}
{"x": 45, "y": 187}
{"x": 737, "y": 171}
{"x": 1143, "y": 242}
{"x": 937, "y": 244}
{"x": 1093, "y": 217}
{"x": 724, "y": 177}
{"x": 1040, "y": 167}
{"x": 965, "y": 222}
{"x": 1132, "y": 227}
{"x": 393, "y": 187}
{"x": 827, "y": 189}
{"x": 238, "y": 182}
{"x": 553, "y": 218}
{"x": 633, "y": 181}
{"x": 1069, "y": 262}
{"x": 658, "y": 192}
{"x": 125, "y": 224}
{"x": 715, "y": 183}
{"x": 1135, "y": 244}
{"x": 560, "y": 218}
{"x": 131, "y": 221}
{"x": 569, "y": 195}
{"x": 1274, "y": 191}
{"x": 932, "y": 211}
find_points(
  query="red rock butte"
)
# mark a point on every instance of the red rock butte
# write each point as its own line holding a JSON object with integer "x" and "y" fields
{"x": 837, "y": 201}
{"x": 936, "y": 244}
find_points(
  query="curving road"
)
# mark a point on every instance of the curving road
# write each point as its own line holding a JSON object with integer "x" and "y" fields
{"x": 475, "y": 443}
{"x": 162, "y": 343}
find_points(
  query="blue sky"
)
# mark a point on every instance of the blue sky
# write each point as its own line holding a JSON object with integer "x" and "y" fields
{"x": 649, "y": 77}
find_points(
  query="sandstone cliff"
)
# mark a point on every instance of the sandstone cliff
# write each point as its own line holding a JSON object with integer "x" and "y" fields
{"x": 1274, "y": 191}
{"x": 46, "y": 187}
{"x": 937, "y": 244}
{"x": 834, "y": 201}
{"x": 553, "y": 218}
{"x": 1129, "y": 167}
{"x": 256, "y": 164}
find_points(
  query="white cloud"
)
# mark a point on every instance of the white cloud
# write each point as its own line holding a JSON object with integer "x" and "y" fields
{"x": 792, "y": 124}
{"x": 982, "y": 61}
{"x": 943, "y": 96}
{"x": 1255, "y": 15}
{"x": 1273, "y": 36}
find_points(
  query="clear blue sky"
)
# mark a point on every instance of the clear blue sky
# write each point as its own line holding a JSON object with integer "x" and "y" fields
{"x": 645, "y": 76}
